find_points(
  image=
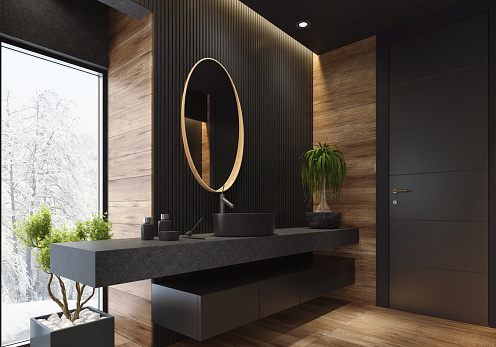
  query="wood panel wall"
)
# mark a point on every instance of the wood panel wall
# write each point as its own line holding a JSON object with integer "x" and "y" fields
{"x": 344, "y": 113}
{"x": 130, "y": 123}
{"x": 130, "y": 162}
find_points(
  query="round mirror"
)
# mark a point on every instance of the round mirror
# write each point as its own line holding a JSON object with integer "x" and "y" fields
{"x": 212, "y": 125}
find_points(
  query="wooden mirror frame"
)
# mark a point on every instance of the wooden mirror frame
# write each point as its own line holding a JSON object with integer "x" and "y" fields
{"x": 241, "y": 135}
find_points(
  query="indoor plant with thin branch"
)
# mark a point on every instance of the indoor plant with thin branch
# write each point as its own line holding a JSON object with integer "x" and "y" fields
{"x": 323, "y": 170}
{"x": 38, "y": 232}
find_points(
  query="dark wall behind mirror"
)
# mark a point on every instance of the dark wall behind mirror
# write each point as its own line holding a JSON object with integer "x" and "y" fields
{"x": 273, "y": 77}
{"x": 211, "y": 122}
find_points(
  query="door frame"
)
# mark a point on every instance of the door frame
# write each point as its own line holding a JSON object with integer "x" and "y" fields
{"x": 382, "y": 146}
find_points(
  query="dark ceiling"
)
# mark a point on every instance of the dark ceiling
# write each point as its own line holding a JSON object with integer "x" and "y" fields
{"x": 337, "y": 23}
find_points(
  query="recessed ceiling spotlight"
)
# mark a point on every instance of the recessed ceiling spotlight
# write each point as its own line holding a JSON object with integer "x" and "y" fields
{"x": 303, "y": 24}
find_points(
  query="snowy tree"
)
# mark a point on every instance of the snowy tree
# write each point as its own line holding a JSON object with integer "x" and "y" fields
{"x": 46, "y": 160}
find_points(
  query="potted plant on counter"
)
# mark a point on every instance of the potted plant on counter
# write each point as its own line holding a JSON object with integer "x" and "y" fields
{"x": 81, "y": 326}
{"x": 323, "y": 170}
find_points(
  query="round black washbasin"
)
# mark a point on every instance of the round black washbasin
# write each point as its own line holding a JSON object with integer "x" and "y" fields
{"x": 243, "y": 224}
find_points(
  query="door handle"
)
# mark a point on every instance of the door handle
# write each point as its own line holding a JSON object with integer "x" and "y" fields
{"x": 396, "y": 191}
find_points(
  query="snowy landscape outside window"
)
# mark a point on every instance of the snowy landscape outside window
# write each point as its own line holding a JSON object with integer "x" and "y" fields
{"x": 51, "y": 121}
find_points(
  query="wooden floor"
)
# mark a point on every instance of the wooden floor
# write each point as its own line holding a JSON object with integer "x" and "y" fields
{"x": 320, "y": 322}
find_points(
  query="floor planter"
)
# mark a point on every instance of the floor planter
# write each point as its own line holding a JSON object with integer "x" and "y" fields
{"x": 99, "y": 333}
{"x": 323, "y": 220}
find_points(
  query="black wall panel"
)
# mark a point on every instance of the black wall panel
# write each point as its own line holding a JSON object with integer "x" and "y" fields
{"x": 78, "y": 28}
{"x": 273, "y": 77}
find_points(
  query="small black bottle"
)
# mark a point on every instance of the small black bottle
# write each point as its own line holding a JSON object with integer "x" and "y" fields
{"x": 164, "y": 224}
{"x": 147, "y": 229}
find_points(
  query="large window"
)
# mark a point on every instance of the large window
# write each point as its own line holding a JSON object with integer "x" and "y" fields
{"x": 51, "y": 126}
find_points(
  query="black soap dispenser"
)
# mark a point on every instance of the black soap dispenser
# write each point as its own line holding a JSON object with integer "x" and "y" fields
{"x": 164, "y": 224}
{"x": 164, "y": 229}
{"x": 147, "y": 229}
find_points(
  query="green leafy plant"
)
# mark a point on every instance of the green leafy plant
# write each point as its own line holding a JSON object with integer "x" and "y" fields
{"x": 323, "y": 170}
{"x": 38, "y": 232}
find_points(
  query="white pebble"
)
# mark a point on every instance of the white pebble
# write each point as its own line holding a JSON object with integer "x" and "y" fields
{"x": 53, "y": 317}
{"x": 66, "y": 324}
{"x": 48, "y": 324}
{"x": 94, "y": 316}
{"x": 54, "y": 322}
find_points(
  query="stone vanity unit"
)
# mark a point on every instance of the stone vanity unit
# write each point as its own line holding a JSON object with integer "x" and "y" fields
{"x": 206, "y": 286}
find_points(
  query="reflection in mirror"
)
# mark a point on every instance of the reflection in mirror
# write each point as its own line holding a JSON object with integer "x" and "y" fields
{"x": 212, "y": 124}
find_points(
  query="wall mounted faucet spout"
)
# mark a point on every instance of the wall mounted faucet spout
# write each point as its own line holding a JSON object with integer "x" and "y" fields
{"x": 224, "y": 201}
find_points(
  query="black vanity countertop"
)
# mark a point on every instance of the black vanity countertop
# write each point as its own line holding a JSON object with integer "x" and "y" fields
{"x": 109, "y": 262}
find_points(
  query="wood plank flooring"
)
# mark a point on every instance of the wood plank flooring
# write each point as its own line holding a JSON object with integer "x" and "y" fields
{"x": 327, "y": 321}
{"x": 332, "y": 322}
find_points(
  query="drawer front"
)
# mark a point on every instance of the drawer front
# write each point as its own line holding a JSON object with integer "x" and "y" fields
{"x": 228, "y": 309}
{"x": 279, "y": 293}
{"x": 328, "y": 274}
{"x": 175, "y": 310}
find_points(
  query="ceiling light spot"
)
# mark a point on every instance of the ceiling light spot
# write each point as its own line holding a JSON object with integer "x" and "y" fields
{"x": 303, "y": 24}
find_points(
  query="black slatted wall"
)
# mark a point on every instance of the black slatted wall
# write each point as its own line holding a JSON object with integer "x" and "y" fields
{"x": 273, "y": 76}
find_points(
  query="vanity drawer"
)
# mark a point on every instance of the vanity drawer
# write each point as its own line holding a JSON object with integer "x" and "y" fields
{"x": 175, "y": 309}
{"x": 327, "y": 274}
{"x": 280, "y": 293}
{"x": 226, "y": 310}
{"x": 203, "y": 315}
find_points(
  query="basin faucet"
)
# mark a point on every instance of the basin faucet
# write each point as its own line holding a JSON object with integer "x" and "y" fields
{"x": 224, "y": 201}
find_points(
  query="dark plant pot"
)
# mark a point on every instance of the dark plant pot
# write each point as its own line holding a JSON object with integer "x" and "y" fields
{"x": 99, "y": 333}
{"x": 323, "y": 220}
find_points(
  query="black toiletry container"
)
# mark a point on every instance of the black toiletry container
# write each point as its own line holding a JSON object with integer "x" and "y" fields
{"x": 147, "y": 232}
{"x": 168, "y": 235}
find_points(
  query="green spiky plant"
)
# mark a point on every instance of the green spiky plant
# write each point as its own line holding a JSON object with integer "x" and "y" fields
{"x": 38, "y": 232}
{"x": 323, "y": 170}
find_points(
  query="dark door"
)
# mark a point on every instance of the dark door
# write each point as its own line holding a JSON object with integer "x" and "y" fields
{"x": 439, "y": 169}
